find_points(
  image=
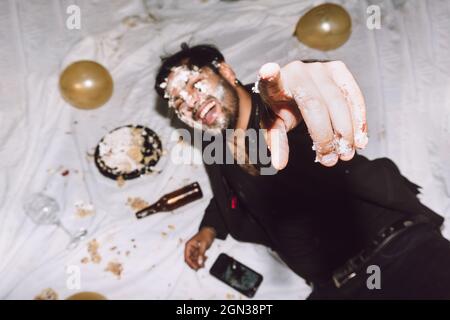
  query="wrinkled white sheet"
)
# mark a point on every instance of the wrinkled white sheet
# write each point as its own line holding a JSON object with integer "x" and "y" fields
{"x": 403, "y": 70}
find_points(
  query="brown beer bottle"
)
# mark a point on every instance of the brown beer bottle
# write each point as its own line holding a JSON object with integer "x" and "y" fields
{"x": 173, "y": 200}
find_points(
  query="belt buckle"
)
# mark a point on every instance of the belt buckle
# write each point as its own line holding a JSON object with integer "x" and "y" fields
{"x": 340, "y": 280}
{"x": 348, "y": 272}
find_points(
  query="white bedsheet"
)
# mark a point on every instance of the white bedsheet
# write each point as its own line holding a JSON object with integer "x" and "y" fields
{"x": 403, "y": 70}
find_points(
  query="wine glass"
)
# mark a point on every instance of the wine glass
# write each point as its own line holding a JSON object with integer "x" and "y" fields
{"x": 43, "y": 210}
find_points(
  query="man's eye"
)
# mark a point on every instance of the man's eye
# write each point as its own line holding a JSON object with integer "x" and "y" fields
{"x": 200, "y": 86}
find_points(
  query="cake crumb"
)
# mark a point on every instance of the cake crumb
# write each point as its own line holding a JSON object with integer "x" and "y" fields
{"x": 93, "y": 246}
{"x": 120, "y": 181}
{"x": 90, "y": 156}
{"x": 84, "y": 260}
{"x": 84, "y": 209}
{"x": 47, "y": 294}
{"x": 115, "y": 268}
{"x": 229, "y": 296}
{"x": 137, "y": 203}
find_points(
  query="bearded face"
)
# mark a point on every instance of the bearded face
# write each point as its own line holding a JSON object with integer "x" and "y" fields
{"x": 202, "y": 98}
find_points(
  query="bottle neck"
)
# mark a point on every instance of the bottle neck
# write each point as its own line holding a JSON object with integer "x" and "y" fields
{"x": 157, "y": 207}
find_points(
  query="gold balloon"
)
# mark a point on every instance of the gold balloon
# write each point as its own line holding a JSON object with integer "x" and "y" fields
{"x": 86, "y": 84}
{"x": 325, "y": 27}
{"x": 87, "y": 296}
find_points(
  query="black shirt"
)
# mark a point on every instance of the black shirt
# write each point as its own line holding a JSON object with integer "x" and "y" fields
{"x": 314, "y": 217}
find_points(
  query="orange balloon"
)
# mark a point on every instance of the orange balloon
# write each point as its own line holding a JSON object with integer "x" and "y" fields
{"x": 325, "y": 27}
{"x": 86, "y": 84}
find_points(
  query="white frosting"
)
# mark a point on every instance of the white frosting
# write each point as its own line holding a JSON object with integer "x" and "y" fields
{"x": 343, "y": 146}
{"x": 361, "y": 138}
{"x": 181, "y": 76}
{"x": 255, "y": 88}
{"x": 115, "y": 147}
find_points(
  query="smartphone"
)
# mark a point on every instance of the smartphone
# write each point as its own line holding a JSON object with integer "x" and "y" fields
{"x": 236, "y": 275}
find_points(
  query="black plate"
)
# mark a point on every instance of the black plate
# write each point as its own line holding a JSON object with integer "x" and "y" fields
{"x": 152, "y": 145}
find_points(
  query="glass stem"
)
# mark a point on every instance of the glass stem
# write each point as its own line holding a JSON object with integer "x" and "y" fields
{"x": 59, "y": 224}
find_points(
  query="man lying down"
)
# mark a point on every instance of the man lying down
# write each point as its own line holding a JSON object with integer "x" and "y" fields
{"x": 328, "y": 212}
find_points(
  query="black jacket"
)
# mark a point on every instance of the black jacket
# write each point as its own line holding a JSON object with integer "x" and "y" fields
{"x": 342, "y": 207}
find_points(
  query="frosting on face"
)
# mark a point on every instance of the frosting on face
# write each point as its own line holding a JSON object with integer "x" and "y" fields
{"x": 201, "y": 98}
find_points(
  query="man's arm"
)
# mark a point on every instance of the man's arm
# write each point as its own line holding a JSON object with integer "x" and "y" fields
{"x": 211, "y": 227}
{"x": 213, "y": 219}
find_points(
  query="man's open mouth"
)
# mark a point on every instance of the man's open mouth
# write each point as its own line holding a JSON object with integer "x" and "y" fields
{"x": 207, "y": 112}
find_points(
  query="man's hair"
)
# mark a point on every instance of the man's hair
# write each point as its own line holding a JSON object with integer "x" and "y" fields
{"x": 200, "y": 56}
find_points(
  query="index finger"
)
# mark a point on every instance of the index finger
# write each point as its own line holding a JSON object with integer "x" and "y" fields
{"x": 273, "y": 91}
{"x": 270, "y": 84}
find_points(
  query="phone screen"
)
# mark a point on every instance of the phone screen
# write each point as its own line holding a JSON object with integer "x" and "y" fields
{"x": 236, "y": 275}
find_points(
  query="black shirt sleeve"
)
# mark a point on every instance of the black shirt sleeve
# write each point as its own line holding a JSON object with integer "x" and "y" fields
{"x": 213, "y": 218}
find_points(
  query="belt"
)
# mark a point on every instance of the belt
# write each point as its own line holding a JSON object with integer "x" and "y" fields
{"x": 354, "y": 265}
